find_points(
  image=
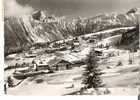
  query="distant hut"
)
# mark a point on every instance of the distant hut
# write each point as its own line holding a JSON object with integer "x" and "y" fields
{"x": 63, "y": 65}
{"x": 99, "y": 52}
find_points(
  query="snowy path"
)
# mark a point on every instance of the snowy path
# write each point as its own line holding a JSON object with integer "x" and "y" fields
{"x": 108, "y": 31}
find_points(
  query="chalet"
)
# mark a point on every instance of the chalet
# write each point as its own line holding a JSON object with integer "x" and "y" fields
{"x": 49, "y": 50}
{"x": 27, "y": 55}
{"x": 63, "y": 65}
{"x": 84, "y": 38}
{"x": 75, "y": 60}
{"x": 41, "y": 65}
{"x": 22, "y": 70}
{"x": 60, "y": 64}
{"x": 92, "y": 40}
{"x": 76, "y": 44}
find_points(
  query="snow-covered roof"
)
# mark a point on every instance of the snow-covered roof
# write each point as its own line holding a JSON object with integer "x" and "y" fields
{"x": 70, "y": 58}
{"x": 99, "y": 49}
{"x": 56, "y": 61}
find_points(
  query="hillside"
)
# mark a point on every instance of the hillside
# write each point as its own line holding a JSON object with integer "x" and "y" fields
{"x": 131, "y": 38}
{"x": 23, "y": 31}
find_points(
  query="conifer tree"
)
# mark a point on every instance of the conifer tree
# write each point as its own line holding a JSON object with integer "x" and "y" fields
{"x": 92, "y": 72}
{"x": 10, "y": 82}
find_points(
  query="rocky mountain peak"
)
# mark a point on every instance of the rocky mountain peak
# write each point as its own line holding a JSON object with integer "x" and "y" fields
{"x": 134, "y": 11}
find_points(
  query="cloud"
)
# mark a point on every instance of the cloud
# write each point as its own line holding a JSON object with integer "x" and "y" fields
{"x": 13, "y": 8}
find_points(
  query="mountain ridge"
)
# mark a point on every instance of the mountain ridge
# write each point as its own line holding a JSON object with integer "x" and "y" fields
{"x": 41, "y": 27}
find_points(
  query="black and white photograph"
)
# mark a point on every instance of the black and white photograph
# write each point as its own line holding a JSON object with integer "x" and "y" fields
{"x": 71, "y": 47}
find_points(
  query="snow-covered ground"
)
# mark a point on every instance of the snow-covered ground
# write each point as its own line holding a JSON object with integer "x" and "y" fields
{"x": 118, "y": 79}
{"x": 56, "y": 84}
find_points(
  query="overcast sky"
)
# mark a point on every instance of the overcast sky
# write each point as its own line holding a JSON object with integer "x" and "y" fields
{"x": 84, "y": 8}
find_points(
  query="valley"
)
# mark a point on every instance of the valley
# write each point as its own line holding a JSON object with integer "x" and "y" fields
{"x": 118, "y": 73}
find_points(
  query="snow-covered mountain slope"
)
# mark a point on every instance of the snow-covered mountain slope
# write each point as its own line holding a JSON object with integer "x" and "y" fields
{"x": 113, "y": 20}
{"x": 25, "y": 30}
{"x": 41, "y": 27}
